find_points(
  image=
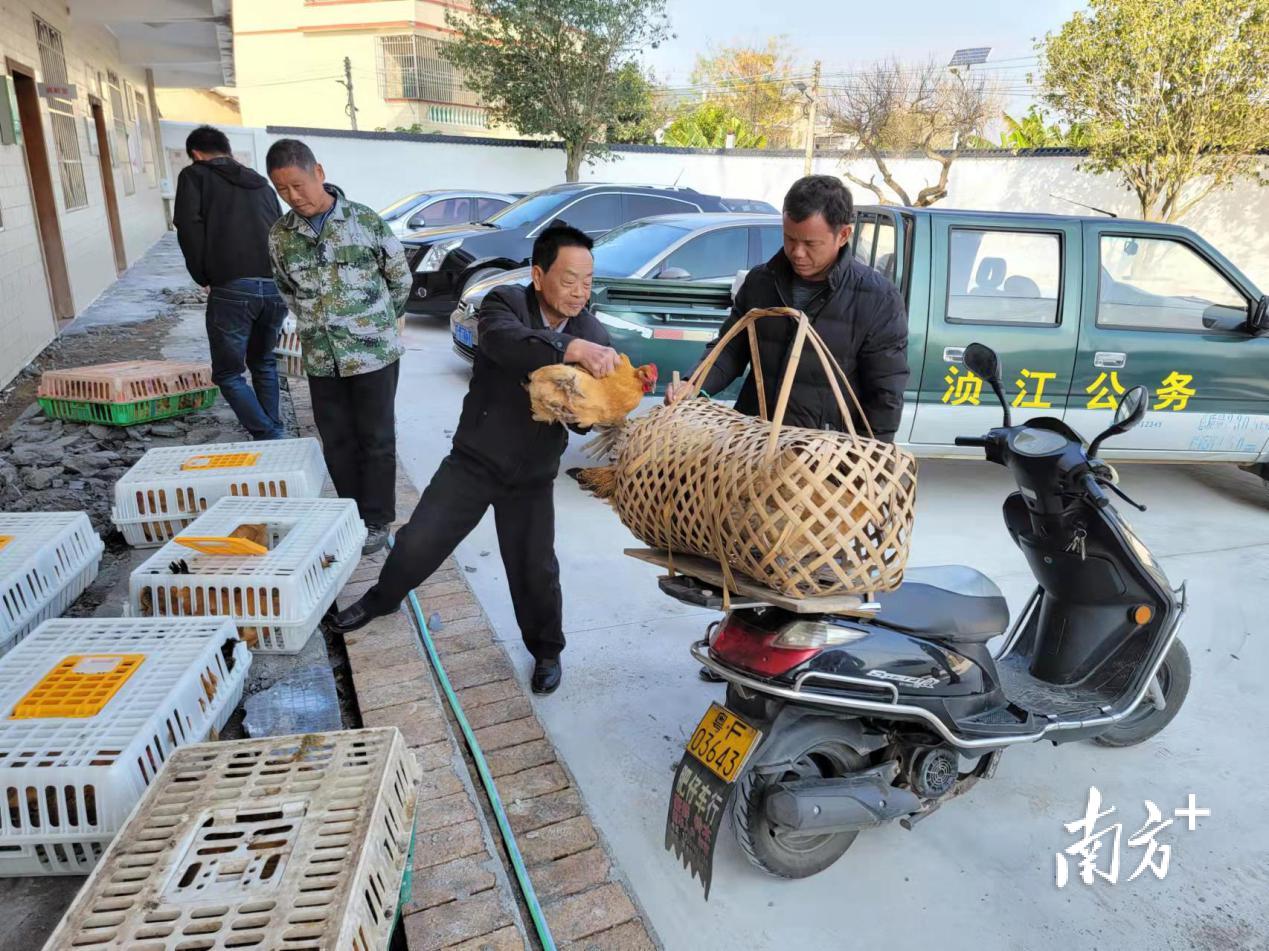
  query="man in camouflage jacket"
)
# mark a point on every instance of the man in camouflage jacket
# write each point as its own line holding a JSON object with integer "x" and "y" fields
{"x": 344, "y": 276}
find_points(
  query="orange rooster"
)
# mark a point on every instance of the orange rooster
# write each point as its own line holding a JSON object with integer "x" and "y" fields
{"x": 563, "y": 393}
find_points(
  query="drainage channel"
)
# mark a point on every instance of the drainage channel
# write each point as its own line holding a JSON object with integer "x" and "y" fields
{"x": 527, "y": 894}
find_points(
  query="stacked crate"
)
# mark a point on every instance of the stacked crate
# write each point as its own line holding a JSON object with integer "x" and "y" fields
{"x": 47, "y": 559}
{"x": 122, "y": 394}
{"x": 171, "y": 486}
{"x": 284, "y": 842}
{"x": 272, "y": 565}
{"x": 89, "y": 711}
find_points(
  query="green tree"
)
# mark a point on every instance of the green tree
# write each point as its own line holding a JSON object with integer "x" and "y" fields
{"x": 1172, "y": 93}
{"x": 641, "y": 113}
{"x": 1032, "y": 132}
{"x": 708, "y": 125}
{"x": 752, "y": 83}
{"x": 556, "y": 67}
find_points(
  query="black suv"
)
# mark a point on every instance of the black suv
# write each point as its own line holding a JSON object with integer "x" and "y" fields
{"x": 445, "y": 260}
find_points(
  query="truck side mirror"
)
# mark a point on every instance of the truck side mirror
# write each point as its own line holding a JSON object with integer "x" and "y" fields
{"x": 1258, "y": 320}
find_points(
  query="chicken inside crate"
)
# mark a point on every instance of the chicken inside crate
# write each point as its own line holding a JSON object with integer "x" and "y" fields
{"x": 90, "y": 709}
{"x": 273, "y": 566}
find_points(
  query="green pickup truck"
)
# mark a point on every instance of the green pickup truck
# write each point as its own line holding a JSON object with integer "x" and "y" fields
{"x": 1079, "y": 310}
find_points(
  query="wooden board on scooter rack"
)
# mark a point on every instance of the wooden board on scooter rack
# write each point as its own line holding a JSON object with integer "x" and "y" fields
{"x": 745, "y": 588}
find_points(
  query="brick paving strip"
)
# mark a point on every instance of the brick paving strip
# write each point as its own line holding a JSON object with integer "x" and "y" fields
{"x": 463, "y": 898}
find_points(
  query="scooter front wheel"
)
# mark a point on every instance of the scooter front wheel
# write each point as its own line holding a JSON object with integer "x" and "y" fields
{"x": 1173, "y": 679}
{"x": 811, "y": 749}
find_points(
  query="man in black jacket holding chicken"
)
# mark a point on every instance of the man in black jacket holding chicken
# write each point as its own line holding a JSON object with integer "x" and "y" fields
{"x": 502, "y": 457}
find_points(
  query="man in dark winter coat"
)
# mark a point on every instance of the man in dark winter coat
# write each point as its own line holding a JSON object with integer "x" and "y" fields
{"x": 222, "y": 214}
{"x": 502, "y": 458}
{"x": 859, "y": 313}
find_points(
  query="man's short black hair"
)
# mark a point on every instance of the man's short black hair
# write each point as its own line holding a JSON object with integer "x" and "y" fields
{"x": 547, "y": 246}
{"x": 820, "y": 194}
{"x": 289, "y": 153}
{"x": 209, "y": 139}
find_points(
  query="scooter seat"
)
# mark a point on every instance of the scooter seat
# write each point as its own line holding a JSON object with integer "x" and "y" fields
{"x": 947, "y": 602}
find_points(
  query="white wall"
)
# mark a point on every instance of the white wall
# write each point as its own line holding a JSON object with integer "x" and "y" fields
{"x": 378, "y": 169}
{"x": 26, "y": 316}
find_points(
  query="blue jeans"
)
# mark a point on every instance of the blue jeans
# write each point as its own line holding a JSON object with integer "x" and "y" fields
{"x": 244, "y": 318}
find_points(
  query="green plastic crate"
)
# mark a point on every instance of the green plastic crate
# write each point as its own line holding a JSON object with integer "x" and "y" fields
{"x": 128, "y": 414}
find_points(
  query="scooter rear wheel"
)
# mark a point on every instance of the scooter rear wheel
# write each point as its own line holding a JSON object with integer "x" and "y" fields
{"x": 813, "y": 748}
{"x": 1147, "y": 720}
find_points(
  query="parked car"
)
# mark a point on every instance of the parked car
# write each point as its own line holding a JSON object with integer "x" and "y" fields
{"x": 446, "y": 260}
{"x": 1079, "y": 309}
{"x": 710, "y": 247}
{"x": 439, "y": 208}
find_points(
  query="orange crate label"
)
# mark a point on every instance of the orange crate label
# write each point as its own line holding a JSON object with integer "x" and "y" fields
{"x": 221, "y": 460}
{"x": 221, "y": 545}
{"x": 80, "y": 685}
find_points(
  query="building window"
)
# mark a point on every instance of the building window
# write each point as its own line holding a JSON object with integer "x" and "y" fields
{"x": 120, "y": 149}
{"x": 70, "y": 164}
{"x": 147, "y": 142}
{"x": 412, "y": 67}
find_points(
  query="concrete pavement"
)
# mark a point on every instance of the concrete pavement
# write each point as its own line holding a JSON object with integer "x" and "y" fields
{"x": 980, "y": 873}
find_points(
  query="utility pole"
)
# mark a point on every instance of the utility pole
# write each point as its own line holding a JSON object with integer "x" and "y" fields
{"x": 350, "y": 110}
{"x": 810, "y": 119}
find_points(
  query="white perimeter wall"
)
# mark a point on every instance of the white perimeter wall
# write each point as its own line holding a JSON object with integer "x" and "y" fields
{"x": 377, "y": 169}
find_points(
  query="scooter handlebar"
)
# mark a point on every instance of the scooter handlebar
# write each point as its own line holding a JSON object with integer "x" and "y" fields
{"x": 1088, "y": 482}
{"x": 978, "y": 441}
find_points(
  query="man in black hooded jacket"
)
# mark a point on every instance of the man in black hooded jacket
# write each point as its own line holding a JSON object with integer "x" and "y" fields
{"x": 223, "y": 213}
{"x": 858, "y": 311}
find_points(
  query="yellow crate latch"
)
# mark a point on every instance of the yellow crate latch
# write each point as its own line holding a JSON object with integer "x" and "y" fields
{"x": 221, "y": 545}
{"x": 79, "y": 685}
{"x": 221, "y": 460}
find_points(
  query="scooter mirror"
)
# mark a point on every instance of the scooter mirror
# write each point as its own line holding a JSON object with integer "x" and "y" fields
{"x": 1130, "y": 411}
{"x": 983, "y": 362}
{"x": 1132, "y": 408}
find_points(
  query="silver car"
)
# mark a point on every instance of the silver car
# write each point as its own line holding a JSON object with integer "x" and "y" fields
{"x": 709, "y": 247}
{"x": 443, "y": 207}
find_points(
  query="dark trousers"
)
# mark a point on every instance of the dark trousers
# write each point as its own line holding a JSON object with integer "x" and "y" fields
{"x": 355, "y": 417}
{"x": 243, "y": 320}
{"x": 455, "y": 500}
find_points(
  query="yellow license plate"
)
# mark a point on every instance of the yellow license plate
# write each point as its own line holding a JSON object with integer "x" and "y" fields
{"x": 722, "y": 742}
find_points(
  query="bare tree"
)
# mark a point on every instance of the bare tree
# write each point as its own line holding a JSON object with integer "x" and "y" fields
{"x": 928, "y": 109}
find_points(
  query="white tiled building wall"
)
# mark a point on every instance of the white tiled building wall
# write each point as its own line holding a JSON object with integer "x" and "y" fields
{"x": 26, "y": 316}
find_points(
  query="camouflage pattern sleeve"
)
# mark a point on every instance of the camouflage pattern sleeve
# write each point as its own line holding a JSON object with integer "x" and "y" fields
{"x": 392, "y": 263}
{"x": 280, "y": 276}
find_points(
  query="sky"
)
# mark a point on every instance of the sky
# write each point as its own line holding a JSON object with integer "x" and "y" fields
{"x": 847, "y": 35}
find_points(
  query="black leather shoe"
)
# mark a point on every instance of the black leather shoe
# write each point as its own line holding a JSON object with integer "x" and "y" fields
{"x": 355, "y": 616}
{"x": 546, "y": 675}
{"x": 709, "y": 676}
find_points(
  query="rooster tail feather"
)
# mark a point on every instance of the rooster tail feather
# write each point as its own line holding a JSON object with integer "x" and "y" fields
{"x": 607, "y": 442}
{"x": 600, "y": 481}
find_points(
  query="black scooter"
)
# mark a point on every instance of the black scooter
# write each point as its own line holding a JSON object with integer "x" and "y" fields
{"x": 887, "y": 711}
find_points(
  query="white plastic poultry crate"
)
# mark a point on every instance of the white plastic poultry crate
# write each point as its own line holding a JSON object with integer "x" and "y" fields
{"x": 290, "y": 356}
{"x": 171, "y": 486}
{"x": 47, "y": 559}
{"x": 285, "y": 842}
{"x": 89, "y": 710}
{"x": 276, "y": 597}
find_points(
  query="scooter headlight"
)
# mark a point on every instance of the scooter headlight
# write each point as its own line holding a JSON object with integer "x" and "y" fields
{"x": 812, "y": 635}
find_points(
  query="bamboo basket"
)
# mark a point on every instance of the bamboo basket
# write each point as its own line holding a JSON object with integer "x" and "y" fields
{"x": 805, "y": 512}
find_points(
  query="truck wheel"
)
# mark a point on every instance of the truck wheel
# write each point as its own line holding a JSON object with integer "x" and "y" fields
{"x": 813, "y": 749}
{"x": 1147, "y": 720}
